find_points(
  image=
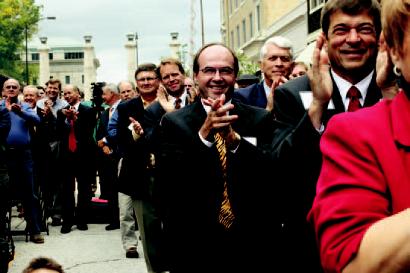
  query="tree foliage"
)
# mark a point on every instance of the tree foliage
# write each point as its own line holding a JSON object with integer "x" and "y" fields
{"x": 15, "y": 17}
{"x": 246, "y": 66}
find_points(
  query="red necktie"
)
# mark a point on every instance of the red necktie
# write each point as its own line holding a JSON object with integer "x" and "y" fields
{"x": 72, "y": 142}
{"x": 354, "y": 95}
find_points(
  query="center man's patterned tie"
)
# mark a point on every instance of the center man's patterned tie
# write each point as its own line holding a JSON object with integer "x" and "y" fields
{"x": 226, "y": 216}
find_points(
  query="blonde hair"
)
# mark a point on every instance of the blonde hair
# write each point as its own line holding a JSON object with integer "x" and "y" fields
{"x": 395, "y": 18}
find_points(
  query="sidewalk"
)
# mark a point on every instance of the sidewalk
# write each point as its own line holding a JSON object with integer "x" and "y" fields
{"x": 91, "y": 251}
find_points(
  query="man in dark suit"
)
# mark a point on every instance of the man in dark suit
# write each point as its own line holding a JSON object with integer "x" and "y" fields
{"x": 43, "y": 161}
{"x": 194, "y": 176}
{"x": 276, "y": 60}
{"x": 107, "y": 156}
{"x": 350, "y": 32}
{"x": 75, "y": 125}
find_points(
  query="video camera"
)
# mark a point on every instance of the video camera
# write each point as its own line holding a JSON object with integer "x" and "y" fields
{"x": 97, "y": 92}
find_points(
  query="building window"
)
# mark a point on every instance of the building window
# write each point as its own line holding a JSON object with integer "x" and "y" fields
{"x": 35, "y": 56}
{"x": 236, "y": 4}
{"x": 50, "y": 56}
{"x": 232, "y": 40}
{"x": 238, "y": 37}
{"x": 230, "y": 7}
{"x": 258, "y": 18}
{"x": 67, "y": 79}
{"x": 251, "y": 25}
{"x": 244, "y": 30}
{"x": 316, "y": 4}
{"x": 73, "y": 55}
{"x": 82, "y": 79}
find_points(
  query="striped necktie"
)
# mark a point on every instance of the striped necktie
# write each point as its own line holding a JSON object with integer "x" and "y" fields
{"x": 226, "y": 216}
{"x": 178, "y": 102}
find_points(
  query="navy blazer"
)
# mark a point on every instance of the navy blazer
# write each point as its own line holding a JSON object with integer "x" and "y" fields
{"x": 253, "y": 94}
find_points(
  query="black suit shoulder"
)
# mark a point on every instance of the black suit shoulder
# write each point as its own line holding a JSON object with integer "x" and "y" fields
{"x": 132, "y": 108}
{"x": 288, "y": 103}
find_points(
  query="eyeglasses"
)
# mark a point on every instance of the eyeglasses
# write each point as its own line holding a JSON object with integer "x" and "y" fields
{"x": 283, "y": 58}
{"x": 11, "y": 87}
{"x": 223, "y": 71}
{"x": 148, "y": 79}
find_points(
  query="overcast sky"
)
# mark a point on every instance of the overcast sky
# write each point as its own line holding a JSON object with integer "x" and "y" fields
{"x": 109, "y": 21}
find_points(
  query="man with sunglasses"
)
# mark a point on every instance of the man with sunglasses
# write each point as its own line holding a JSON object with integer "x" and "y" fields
{"x": 276, "y": 61}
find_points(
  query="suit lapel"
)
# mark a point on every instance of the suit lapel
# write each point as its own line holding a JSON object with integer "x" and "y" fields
{"x": 373, "y": 93}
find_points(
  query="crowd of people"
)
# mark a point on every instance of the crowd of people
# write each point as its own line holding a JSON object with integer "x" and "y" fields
{"x": 304, "y": 169}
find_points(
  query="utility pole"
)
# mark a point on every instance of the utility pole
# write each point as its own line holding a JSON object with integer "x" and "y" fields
{"x": 202, "y": 22}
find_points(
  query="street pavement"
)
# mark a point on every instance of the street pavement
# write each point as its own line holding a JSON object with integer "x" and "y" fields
{"x": 94, "y": 250}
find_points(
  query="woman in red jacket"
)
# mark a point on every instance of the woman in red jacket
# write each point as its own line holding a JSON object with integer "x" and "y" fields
{"x": 361, "y": 211}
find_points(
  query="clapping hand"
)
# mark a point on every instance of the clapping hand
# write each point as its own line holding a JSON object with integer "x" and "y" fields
{"x": 47, "y": 107}
{"x": 163, "y": 99}
{"x": 271, "y": 97}
{"x": 71, "y": 114}
{"x": 136, "y": 126}
{"x": 218, "y": 118}
{"x": 320, "y": 82}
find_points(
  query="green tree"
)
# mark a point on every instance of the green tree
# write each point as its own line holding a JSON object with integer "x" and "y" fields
{"x": 15, "y": 17}
{"x": 246, "y": 66}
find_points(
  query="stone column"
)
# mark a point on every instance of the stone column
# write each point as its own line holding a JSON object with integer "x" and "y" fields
{"x": 131, "y": 49}
{"x": 44, "y": 62}
{"x": 175, "y": 45}
{"x": 89, "y": 68}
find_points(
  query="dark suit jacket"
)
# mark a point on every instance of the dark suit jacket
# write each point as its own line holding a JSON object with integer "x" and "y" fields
{"x": 289, "y": 106}
{"x": 43, "y": 133}
{"x": 102, "y": 125}
{"x": 135, "y": 154}
{"x": 84, "y": 133}
{"x": 302, "y": 165}
{"x": 253, "y": 94}
{"x": 191, "y": 187}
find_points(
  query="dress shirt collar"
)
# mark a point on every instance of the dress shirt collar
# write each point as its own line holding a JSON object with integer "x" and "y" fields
{"x": 115, "y": 105}
{"x": 343, "y": 86}
{"x": 266, "y": 88}
{"x": 183, "y": 98}
{"x": 75, "y": 106}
